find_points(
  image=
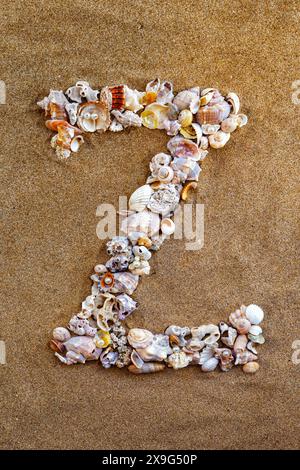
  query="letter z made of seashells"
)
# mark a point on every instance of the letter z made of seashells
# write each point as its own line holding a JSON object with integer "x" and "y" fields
{"x": 196, "y": 119}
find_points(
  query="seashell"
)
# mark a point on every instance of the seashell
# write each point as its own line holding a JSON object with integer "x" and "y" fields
{"x": 165, "y": 93}
{"x": 210, "y": 365}
{"x": 133, "y": 99}
{"x": 218, "y": 140}
{"x": 208, "y": 129}
{"x": 185, "y": 118}
{"x": 56, "y": 346}
{"x": 205, "y": 91}
{"x": 107, "y": 281}
{"x": 243, "y": 326}
{"x": 158, "y": 161}
{"x": 147, "y": 368}
{"x": 125, "y": 305}
{"x": 57, "y": 111}
{"x": 187, "y": 99}
{"x": 250, "y": 367}
{"x": 257, "y": 339}
{"x": 178, "y": 359}
{"x": 213, "y": 114}
{"x": 61, "y": 334}
{"x": 139, "y": 338}
{"x": 117, "y": 97}
{"x": 193, "y": 132}
{"x": 244, "y": 357}
{"x": 235, "y": 316}
{"x": 234, "y": 101}
{"x": 230, "y": 124}
{"x": 72, "y": 109}
{"x": 250, "y": 347}
{"x": 93, "y": 116}
{"x": 186, "y": 169}
{"x": 208, "y": 334}
{"x": 179, "y": 333}
{"x": 83, "y": 345}
{"x": 127, "y": 118}
{"x": 136, "y": 360}
{"x": 206, "y": 354}
{"x": 223, "y": 327}
{"x": 230, "y": 338}
{"x": 139, "y": 267}
{"x": 144, "y": 241}
{"x": 115, "y": 126}
{"x": 240, "y": 344}
{"x": 107, "y": 314}
{"x": 180, "y": 147}
{"x": 117, "y": 263}
{"x": 102, "y": 339}
{"x": 242, "y": 120}
{"x": 125, "y": 283}
{"x": 81, "y": 326}
{"x": 54, "y": 97}
{"x": 140, "y": 198}
{"x": 146, "y": 222}
{"x": 164, "y": 174}
{"x": 254, "y": 314}
{"x": 157, "y": 350}
{"x": 187, "y": 188}
{"x": 118, "y": 245}
{"x": 167, "y": 226}
{"x": 142, "y": 252}
{"x": 100, "y": 268}
{"x": 109, "y": 358}
{"x": 164, "y": 200}
{"x": 255, "y": 330}
{"x": 76, "y": 143}
{"x": 154, "y": 115}
{"x": 82, "y": 90}
{"x": 226, "y": 358}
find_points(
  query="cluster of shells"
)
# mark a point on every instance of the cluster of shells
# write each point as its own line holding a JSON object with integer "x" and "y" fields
{"x": 196, "y": 120}
{"x": 202, "y": 116}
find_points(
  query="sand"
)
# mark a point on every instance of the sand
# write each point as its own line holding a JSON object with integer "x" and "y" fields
{"x": 50, "y": 244}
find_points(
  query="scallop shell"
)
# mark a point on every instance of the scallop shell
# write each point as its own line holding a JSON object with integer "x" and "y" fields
{"x": 187, "y": 99}
{"x": 93, "y": 116}
{"x": 178, "y": 359}
{"x": 146, "y": 222}
{"x": 180, "y": 147}
{"x": 147, "y": 368}
{"x": 167, "y": 226}
{"x": 218, "y": 140}
{"x": 234, "y": 101}
{"x": 254, "y": 314}
{"x": 139, "y": 338}
{"x": 154, "y": 115}
{"x": 61, "y": 334}
{"x": 139, "y": 199}
{"x": 251, "y": 367}
{"x": 210, "y": 365}
{"x": 213, "y": 114}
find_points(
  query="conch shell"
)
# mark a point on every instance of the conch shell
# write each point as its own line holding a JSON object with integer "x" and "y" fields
{"x": 127, "y": 118}
{"x": 93, "y": 116}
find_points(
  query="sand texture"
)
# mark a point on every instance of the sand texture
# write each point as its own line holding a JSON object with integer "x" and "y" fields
{"x": 49, "y": 241}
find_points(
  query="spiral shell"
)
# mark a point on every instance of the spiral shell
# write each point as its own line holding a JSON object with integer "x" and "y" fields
{"x": 139, "y": 338}
{"x": 218, "y": 140}
{"x": 167, "y": 226}
{"x": 61, "y": 334}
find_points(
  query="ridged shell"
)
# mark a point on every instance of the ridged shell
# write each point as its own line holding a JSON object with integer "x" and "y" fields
{"x": 139, "y": 338}
{"x": 214, "y": 114}
{"x": 147, "y": 368}
{"x": 254, "y": 314}
{"x": 139, "y": 199}
{"x": 146, "y": 222}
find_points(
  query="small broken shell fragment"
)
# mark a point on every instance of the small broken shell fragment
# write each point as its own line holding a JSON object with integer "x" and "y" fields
{"x": 234, "y": 101}
{"x": 250, "y": 367}
{"x": 218, "y": 140}
{"x": 144, "y": 241}
{"x": 240, "y": 343}
{"x": 147, "y": 368}
{"x": 192, "y": 185}
{"x": 230, "y": 338}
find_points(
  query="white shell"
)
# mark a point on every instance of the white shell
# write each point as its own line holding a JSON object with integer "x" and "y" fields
{"x": 139, "y": 199}
{"x": 167, "y": 226}
{"x": 146, "y": 221}
{"x": 254, "y": 314}
{"x": 139, "y": 338}
{"x": 230, "y": 124}
{"x": 210, "y": 128}
{"x": 255, "y": 330}
{"x": 61, "y": 334}
{"x": 187, "y": 99}
{"x": 210, "y": 365}
{"x": 178, "y": 359}
{"x": 234, "y": 100}
{"x": 218, "y": 140}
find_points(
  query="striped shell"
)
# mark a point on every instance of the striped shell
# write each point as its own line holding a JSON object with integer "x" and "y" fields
{"x": 213, "y": 114}
{"x": 146, "y": 222}
{"x": 180, "y": 147}
{"x": 139, "y": 199}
